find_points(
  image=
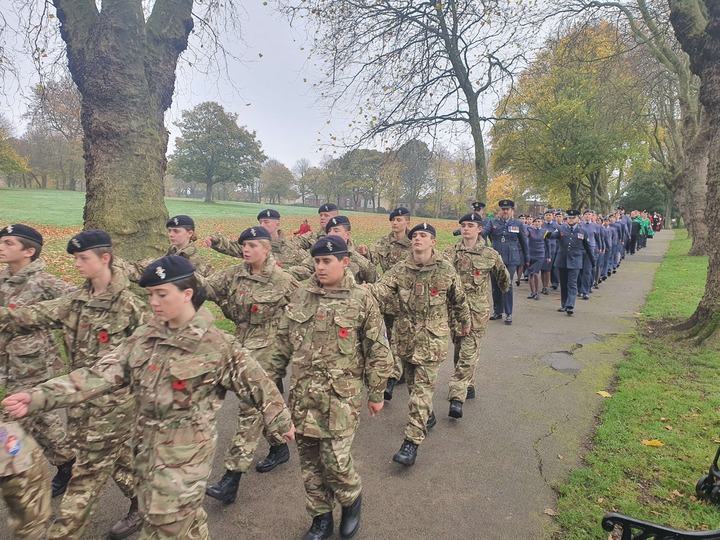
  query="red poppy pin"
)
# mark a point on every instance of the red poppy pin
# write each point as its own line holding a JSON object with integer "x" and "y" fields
{"x": 180, "y": 384}
{"x": 241, "y": 292}
{"x": 103, "y": 336}
{"x": 254, "y": 308}
{"x": 433, "y": 292}
{"x": 12, "y": 306}
{"x": 152, "y": 367}
{"x": 343, "y": 332}
{"x": 279, "y": 264}
{"x": 476, "y": 272}
{"x": 562, "y": 234}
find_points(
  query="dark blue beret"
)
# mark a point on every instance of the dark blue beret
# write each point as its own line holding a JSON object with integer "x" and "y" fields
{"x": 506, "y": 203}
{"x": 90, "y": 239}
{"x": 329, "y": 245}
{"x": 421, "y": 227}
{"x": 166, "y": 270}
{"x": 558, "y": 212}
{"x": 572, "y": 213}
{"x": 22, "y": 231}
{"x": 477, "y": 205}
{"x": 471, "y": 216}
{"x": 336, "y": 221}
{"x": 399, "y": 211}
{"x": 327, "y": 207}
{"x": 254, "y": 233}
{"x": 588, "y": 211}
{"x": 268, "y": 214}
{"x": 181, "y": 221}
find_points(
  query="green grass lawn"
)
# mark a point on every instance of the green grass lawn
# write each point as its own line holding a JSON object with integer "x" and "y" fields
{"x": 665, "y": 390}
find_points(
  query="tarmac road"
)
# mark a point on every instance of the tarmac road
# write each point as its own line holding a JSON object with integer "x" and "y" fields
{"x": 487, "y": 476}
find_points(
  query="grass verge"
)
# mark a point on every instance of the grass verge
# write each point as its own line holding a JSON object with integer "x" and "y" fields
{"x": 665, "y": 391}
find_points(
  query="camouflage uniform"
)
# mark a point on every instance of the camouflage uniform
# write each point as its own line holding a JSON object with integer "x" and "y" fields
{"x": 24, "y": 481}
{"x": 32, "y": 358}
{"x": 133, "y": 269}
{"x": 178, "y": 378}
{"x": 99, "y": 430}
{"x": 336, "y": 342}
{"x": 254, "y": 302}
{"x": 363, "y": 270}
{"x": 308, "y": 240}
{"x": 287, "y": 254}
{"x": 475, "y": 265}
{"x": 426, "y": 293}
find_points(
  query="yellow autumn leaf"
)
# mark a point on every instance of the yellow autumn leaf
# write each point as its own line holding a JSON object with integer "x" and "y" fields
{"x": 653, "y": 442}
{"x": 604, "y": 394}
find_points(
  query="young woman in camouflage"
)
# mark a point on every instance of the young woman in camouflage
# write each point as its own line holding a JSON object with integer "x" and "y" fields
{"x": 253, "y": 296}
{"x": 178, "y": 368}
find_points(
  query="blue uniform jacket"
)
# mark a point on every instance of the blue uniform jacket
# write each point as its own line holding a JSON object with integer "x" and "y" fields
{"x": 572, "y": 244}
{"x": 509, "y": 239}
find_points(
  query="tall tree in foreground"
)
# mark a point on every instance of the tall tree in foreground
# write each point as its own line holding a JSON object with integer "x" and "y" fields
{"x": 411, "y": 68}
{"x": 214, "y": 149}
{"x": 697, "y": 28}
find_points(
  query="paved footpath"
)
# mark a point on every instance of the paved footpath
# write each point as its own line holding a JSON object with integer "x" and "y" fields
{"x": 487, "y": 476}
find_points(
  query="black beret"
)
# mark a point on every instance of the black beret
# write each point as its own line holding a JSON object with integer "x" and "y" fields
{"x": 399, "y": 211}
{"x": 327, "y": 207}
{"x": 572, "y": 213}
{"x": 254, "y": 233}
{"x": 588, "y": 211}
{"x": 421, "y": 227}
{"x": 471, "y": 216}
{"x": 477, "y": 205}
{"x": 268, "y": 214}
{"x": 548, "y": 211}
{"x": 181, "y": 221}
{"x": 329, "y": 245}
{"x": 506, "y": 203}
{"x": 337, "y": 220}
{"x": 166, "y": 270}
{"x": 558, "y": 212}
{"x": 90, "y": 239}
{"x": 22, "y": 231}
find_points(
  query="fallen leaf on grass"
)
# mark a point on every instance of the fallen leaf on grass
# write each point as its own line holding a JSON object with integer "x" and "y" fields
{"x": 664, "y": 419}
{"x": 675, "y": 493}
{"x": 604, "y": 394}
{"x": 550, "y": 512}
{"x": 653, "y": 442}
{"x": 601, "y": 500}
{"x": 669, "y": 428}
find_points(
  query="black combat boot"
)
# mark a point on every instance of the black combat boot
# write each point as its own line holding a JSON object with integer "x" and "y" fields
{"x": 277, "y": 455}
{"x": 351, "y": 518}
{"x": 226, "y": 489}
{"x": 407, "y": 454}
{"x": 470, "y": 393}
{"x": 62, "y": 477}
{"x": 431, "y": 421}
{"x": 389, "y": 389}
{"x": 321, "y": 528}
{"x": 455, "y": 409}
{"x": 128, "y": 525}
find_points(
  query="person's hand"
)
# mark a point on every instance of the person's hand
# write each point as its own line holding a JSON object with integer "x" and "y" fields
{"x": 362, "y": 249}
{"x": 17, "y": 404}
{"x": 290, "y": 435}
{"x": 549, "y": 259}
{"x": 375, "y": 408}
{"x": 465, "y": 331}
{"x": 208, "y": 241}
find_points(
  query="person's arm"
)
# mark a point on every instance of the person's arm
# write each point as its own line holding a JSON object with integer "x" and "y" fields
{"x": 223, "y": 244}
{"x": 215, "y": 285}
{"x": 458, "y": 303}
{"x": 385, "y": 288}
{"x": 48, "y": 314}
{"x": 377, "y": 354}
{"x": 500, "y": 273}
{"x": 524, "y": 243}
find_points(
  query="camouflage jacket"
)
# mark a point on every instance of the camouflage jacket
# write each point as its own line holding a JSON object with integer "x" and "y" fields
{"x": 29, "y": 359}
{"x": 475, "y": 265}
{"x": 308, "y": 240}
{"x": 16, "y": 448}
{"x": 93, "y": 326}
{"x": 387, "y": 251}
{"x": 288, "y": 255}
{"x": 363, "y": 270}
{"x": 179, "y": 378}
{"x": 425, "y": 294}
{"x": 336, "y": 341}
{"x": 253, "y": 302}
{"x": 134, "y": 269}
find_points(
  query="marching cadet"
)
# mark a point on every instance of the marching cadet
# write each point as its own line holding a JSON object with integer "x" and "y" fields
{"x": 286, "y": 252}
{"x": 475, "y": 263}
{"x": 573, "y": 244}
{"x": 427, "y": 287}
{"x": 363, "y": 270}
{"x": 325, "y": 212}
{"x": 477, "y": 207}
{"x": 179, "y": 368}
{"x": 95, "y": 319}
{"x": 386, "y": 252}
{"x": 539, "y": 251}
{"x": 29, "y": 359}
{"x": 182, "y": 237}
{"x": 334, "y": 336}
{"x": 253, "y": 296}
{"x": 24, "y": 481}
{"x": 509, "y": 238}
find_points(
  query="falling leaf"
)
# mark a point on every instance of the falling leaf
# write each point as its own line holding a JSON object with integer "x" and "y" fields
{"x": 604, "y": 394}
{"x": 653, "y": 442}
{"x": 550, "y": 512}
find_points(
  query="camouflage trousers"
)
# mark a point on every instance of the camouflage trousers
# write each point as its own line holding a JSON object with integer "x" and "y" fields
{"x": 49, "y": 432}
{"x": 27, "y": 496}
{"x": 245, "y": 441}
{"x": 188, "y": 524}
{"x": 328, "y": 473}
{"x": 94, "y": 464}
{"x": 466, "y": 356}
